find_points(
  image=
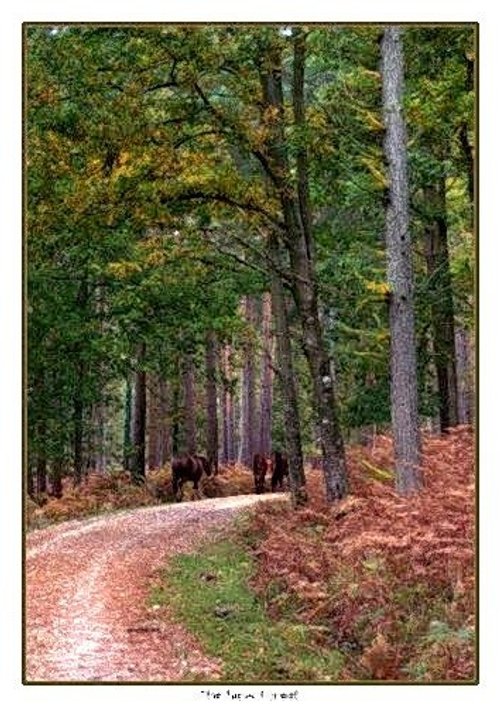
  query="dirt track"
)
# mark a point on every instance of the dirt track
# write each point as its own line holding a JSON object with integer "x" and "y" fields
{"x": 87, "y": 584}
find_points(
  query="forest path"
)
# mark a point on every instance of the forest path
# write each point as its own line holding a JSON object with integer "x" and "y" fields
{"x": 87, "y": 584}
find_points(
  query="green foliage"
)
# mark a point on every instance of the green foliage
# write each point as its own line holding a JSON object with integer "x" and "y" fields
{"x": 209, "y": 592}
{"x": 148, "y": 204}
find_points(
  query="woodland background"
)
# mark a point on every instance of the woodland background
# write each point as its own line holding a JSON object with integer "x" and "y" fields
{"x": 212, "y": 266}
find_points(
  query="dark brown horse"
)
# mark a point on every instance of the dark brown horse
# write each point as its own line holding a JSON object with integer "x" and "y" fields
{"x": 188, "y": 468}
{"x": 260, "y": 465}
{"x": 280, "y": 470}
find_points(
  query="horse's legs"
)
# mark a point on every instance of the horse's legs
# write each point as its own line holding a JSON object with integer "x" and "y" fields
{"x": 177, "y": 487}
{"x": 196, "y": 488}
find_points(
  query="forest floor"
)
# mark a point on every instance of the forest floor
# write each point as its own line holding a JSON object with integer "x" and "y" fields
{"x": 376, "y": 587}
{"x": 87, "y": 588}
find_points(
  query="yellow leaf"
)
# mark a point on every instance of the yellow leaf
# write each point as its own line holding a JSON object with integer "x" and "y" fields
{"x": 376, "y": 172}
{"x": 378, "y": 287}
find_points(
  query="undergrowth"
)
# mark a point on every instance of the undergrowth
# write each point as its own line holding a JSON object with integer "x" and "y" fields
{"x": 374, "y": 588}
{"x": 209, "y": 593}
{"x": 388, "y": 581}
{"x": 103, "y": 493}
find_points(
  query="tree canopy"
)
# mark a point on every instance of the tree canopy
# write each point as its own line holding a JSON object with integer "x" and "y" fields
{"x": 159, "y": 162}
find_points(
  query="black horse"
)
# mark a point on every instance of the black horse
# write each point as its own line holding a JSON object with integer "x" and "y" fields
{"x": 188, "y": 468}
{"x": 280, "y": 470}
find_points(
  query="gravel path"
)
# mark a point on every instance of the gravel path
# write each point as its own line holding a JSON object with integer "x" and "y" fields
{"x": 87, "y": 584}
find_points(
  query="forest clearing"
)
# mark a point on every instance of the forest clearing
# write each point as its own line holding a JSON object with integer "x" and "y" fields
{"x": 250, "y": 269}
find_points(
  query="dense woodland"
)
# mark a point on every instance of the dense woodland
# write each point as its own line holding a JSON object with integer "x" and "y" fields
{"x": 243, "y": 240}
{"x": 238, "y": 236}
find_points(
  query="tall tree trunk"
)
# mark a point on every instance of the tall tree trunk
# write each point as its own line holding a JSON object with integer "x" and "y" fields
{"x": 127, "y": 423}
{"x": 154, "y": 421}
{"x": 211, "y": 398}
{"x": 41, "y": 461}
{"x": 30, "y": 480}
{"x": 164, "y": 439}
{"x": 404, "y": 402}
{"x": 266, "y": 379}
{"x": 224, "y": 365}
{"x": 464, "y": 356}
{"x": 299, "y": 244}
{"x": 78, "y": 414}
{"x": 176, "y": 413}
{"x": 299, "y": 114}
{"x": 41, "y": 439}
{"x": 464, "y": 386}
{"x": 237, "y": 406}
{"x": 101, "y": 428}
{"x": 56, "y": 477}
{"x": 467, "y": 148}
{"x": 188, "y": 378}
{"x": 426, "y": 348}
{"x": 247, "y": 421}
{"x": 89, "y": 442}
{"x": 228, "y": 445}
{"x": 82, "y": 298}
{"x": 286, "y": 378}
{"x": 101, "y": 436}
{"x": 469, "y": 161}
{"x": 138, "y": 458}
{"x": 439, "y": 277}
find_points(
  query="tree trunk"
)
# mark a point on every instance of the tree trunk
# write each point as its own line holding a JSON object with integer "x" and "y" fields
{"x": 41, "y": 467}
{"x": 101, "y": 437}
{"x": 138, "y": 459}
{"x": 176, "y": 412}
{"x": 164, "y": 439}
{"x": 298, "y": 241}
{"x": 469, "y": 161}
{"x": 211, "y": 398}
{"x": 465, "y": 393}
{"x": 41, "y": 440}
{"x": 286, "y": 378}
{"x": 236, "y": 417}
{"x": 127, "y": 422}
{"x": 426, "y": 349}
{"x": 266, "y": 379}
{"x": 154, "y": 421}
{"x": 404, "y": 402}
{"x": 247, "y": 421}
{"x": 439, "y": 278}
{"x": 228, "y": 446}
{"x": 78, "y": 412}
{"x": 56, "y": 476}
{"x": 226, "y": 407}
{"x": 299, "y": 114}
{"x": 467, "y": 148}
{"x": 82, "y": 298}
{"x": 189, "y": 404}
{"x": 30, "y": 480}
{"x": 316, "y": 350}
{"x": 158, "y": 423}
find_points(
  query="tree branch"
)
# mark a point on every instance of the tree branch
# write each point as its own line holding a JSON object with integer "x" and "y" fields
{"x": 196, "y": 195}
{"x": 221, "y": 118}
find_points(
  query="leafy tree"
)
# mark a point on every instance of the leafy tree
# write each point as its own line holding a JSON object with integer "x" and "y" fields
{"x": 174, "y": 172}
